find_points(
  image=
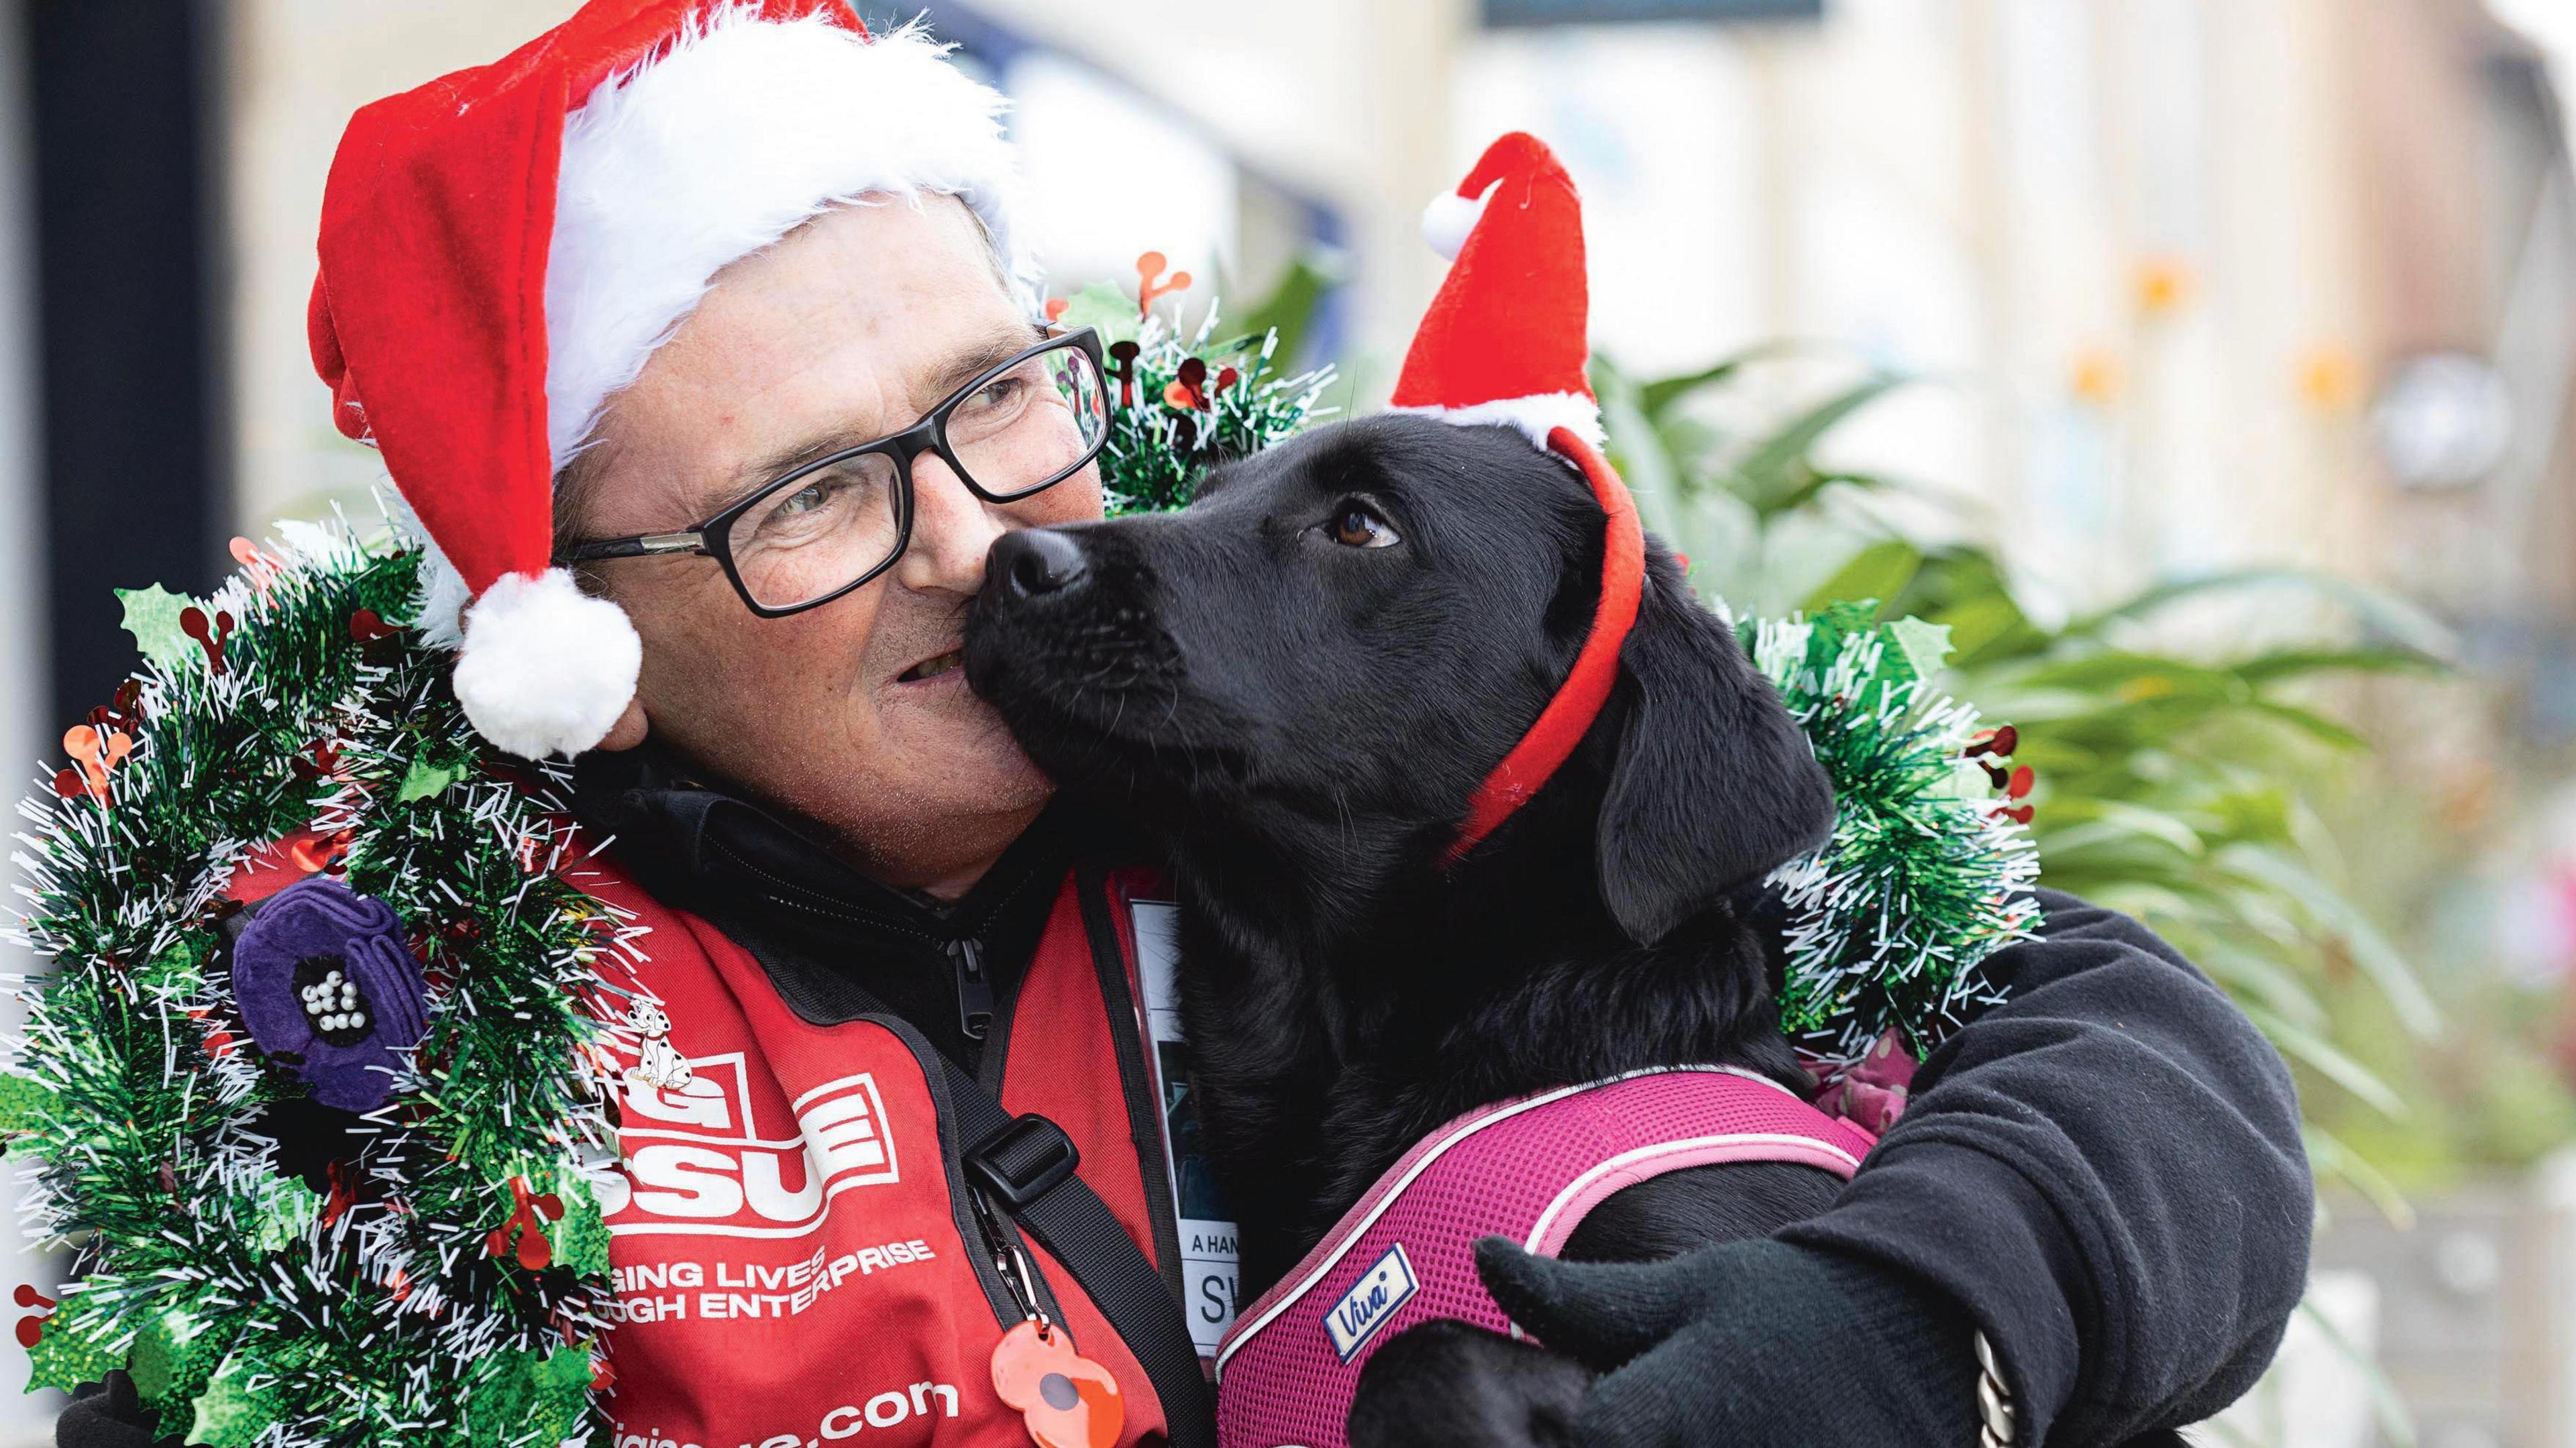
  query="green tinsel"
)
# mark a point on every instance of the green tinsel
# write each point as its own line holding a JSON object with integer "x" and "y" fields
{"x": 247, "y": 1310}
{"x": 1925, "y": 875}
{"x": 1182, "y": 403}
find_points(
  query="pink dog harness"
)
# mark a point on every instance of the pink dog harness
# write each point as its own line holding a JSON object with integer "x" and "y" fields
{"x": 1528, "y": 1169}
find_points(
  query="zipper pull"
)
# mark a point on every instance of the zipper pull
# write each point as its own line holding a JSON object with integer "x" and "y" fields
{"x": 974, "y": 988}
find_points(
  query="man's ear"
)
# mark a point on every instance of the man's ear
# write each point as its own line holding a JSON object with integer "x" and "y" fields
{"x": 1715, "y": 785}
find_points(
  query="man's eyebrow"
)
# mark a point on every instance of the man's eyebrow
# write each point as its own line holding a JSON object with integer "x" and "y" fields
{"x": 953, "y": 374}
{"x": 993, "y": 352}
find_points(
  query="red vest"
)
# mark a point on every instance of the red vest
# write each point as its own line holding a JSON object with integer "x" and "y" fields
{"x": 795, "y": 1259}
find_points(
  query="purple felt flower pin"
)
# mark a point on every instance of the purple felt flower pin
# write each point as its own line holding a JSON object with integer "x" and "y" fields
{"x": 326, "y": 985}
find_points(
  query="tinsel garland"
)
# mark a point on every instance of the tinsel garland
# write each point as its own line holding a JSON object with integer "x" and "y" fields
{"x": 1184, "y": 400}
{"x": 1929, "y": 868}
{"x": 271, "y": 1271}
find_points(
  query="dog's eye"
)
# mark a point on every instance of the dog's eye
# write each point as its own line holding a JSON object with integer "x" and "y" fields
{"x": 1357, "y": 525}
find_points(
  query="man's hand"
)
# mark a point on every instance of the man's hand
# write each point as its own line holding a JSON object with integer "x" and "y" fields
{"x": 1746, "y": 1344}
{"x": 110, "y": 1417}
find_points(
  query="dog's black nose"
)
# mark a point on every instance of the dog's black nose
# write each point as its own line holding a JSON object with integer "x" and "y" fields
{"x": 1034, "y": 561}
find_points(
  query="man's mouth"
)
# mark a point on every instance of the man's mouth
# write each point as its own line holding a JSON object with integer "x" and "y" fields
{"x": 932, "y": 667}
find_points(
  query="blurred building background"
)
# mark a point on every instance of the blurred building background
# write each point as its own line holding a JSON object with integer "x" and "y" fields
{"x": 2190, "y": 286}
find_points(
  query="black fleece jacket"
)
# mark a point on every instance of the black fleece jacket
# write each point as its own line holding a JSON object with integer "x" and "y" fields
{"x": 2104, "y": 1173}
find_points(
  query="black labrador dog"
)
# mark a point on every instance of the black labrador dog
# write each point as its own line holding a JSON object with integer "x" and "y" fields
{"x": 1294, "y": 686}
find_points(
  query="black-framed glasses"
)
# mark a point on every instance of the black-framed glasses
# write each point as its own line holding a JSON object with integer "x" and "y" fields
{"x": 805, "y": 538}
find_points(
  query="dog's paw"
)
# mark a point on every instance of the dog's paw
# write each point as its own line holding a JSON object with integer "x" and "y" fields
{"x": 1445, "y": 1384}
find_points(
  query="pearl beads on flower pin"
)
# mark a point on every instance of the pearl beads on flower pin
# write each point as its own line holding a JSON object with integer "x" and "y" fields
{"x": 332, "y": 1003}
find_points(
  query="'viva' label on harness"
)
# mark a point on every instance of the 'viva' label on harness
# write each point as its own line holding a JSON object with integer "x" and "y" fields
{"x": 1371, "y": 1301}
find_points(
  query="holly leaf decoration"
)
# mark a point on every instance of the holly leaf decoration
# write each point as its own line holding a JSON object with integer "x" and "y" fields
{"x": 286, "y": 1211}
{"x": 562, "y": 1392}
{"x": 65, "y": 1355}
{"x": 172, "y": 1362}
{"x": 228, "y": 1415}
{"x": 1103, "y": 307}
{"x": 581, "y": 1239}
{"x": 425, "y": 780}
{"x": 524, "y": 1398}
{"x": 176, "y": 969}
{"x": 1925, "y": 645}
{"x": 24, "y": 1104}
{"x": 152, "y": 616}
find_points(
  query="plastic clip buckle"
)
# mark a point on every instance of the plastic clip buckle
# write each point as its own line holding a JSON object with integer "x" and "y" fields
{"x": 1023, "y": 1161}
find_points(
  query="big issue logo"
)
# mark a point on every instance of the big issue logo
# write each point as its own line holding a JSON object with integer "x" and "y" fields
{"x": 698, "y": 1165}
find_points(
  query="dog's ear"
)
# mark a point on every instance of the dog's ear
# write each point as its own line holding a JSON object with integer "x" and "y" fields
{"x": 1714, "y": 785}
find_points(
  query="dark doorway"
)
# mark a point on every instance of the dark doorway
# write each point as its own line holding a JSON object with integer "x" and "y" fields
{"x": 125, "y": 210}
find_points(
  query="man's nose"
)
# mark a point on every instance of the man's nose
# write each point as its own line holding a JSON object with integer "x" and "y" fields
{"x": 1033, "y": 563}
{"x": 951, "y": 528}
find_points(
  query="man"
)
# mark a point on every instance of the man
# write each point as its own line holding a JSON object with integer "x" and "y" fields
{"x": 724, "y": 307}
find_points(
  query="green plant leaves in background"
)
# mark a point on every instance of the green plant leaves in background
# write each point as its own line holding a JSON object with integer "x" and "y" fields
{"x": 2178, "y": 786}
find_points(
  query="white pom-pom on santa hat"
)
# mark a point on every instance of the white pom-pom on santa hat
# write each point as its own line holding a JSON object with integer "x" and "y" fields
{"x": 546, "y": 668}
{"x": 1449, "y": 217}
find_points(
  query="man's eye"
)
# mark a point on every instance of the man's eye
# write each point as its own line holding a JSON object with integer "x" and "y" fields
{"x": 1357, "y": 525}
{"x": 999, "y": 395}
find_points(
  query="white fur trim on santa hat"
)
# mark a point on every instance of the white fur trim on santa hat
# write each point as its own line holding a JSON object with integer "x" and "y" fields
{"x": 1536, "y": 416}
{"x": 744, "y": 131}
{"x": 546, "y": 668}
{"x": 1448, "y": 219}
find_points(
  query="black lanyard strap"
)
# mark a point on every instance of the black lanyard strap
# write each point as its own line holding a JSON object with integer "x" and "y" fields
{"x": 1019, "y": 1160}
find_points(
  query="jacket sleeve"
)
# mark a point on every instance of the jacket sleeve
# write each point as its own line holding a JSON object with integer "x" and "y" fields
{"x": 2106, "y": 1171}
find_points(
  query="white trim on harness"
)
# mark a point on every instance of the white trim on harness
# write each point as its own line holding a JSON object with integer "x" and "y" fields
{"x": 1582, "y": 1184}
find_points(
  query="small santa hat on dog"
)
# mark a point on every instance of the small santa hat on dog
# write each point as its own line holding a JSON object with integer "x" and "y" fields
{"x": 1504, "y": 344}
{"x": 1506, "y": 339}
{"x": 504, "y": 248}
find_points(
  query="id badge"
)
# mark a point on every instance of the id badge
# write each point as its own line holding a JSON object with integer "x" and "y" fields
{"x": 1206, "y": 1228}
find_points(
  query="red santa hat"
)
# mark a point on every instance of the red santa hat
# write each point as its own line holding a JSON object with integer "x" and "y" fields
{"x": 504, "y": 248}
{"x": 1504, "y": 344}
{"x": 1505, "y": 340}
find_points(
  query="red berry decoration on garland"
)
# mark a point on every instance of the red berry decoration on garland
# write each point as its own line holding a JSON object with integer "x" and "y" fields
{"x": 528, "y": 1214}
{"x": 258, "y": 567}
{"x": 1184, "y": 391}
{"x": 96, "y": 755}
{"x": 123, "y": 714}
{"x": 31, "y": 1330}
{"x": 1149, "y": 270}
{"x": 1122, "y": 365}
{"x": 192, "y": 622}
